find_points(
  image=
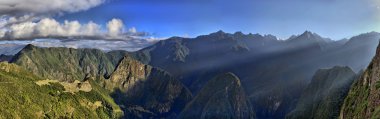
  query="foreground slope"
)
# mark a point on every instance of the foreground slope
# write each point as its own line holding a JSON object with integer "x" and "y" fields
{"x": 221, "y": 98}
{"x": 24, "y": 95}
{"x": 145, "y": 91}
{"x": 325, "y": 94}
{"x": 363, "y": 100}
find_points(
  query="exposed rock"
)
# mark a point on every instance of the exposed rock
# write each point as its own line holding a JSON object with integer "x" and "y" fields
{"x": 153, "y": 91}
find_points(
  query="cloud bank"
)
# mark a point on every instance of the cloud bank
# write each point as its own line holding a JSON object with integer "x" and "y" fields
{"x": 11, "y": 47}
{"x": 49, "y": 27}
{"x": 32, "y": 22}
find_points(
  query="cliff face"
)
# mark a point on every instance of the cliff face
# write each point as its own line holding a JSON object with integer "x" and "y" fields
{"x": 363, "y": 100}
{"x": 222, "y": 98}
{"x": 325, "y": 94}
{"x": 145, "y": 91}
{"x": 67, "y": 64}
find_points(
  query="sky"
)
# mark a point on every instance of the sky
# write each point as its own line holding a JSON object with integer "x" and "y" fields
{"x": 164, "y": 18}
{"x": 139, "y": 23}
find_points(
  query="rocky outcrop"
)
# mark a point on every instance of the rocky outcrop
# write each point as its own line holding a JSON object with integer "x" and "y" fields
{"x": 325, "y": 94}
{"x": 363, "y": 100}
{"x": 145, "y": 91}
{"x": 221, "y": 98}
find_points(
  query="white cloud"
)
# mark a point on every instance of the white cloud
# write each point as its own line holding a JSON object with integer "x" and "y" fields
{"x": 91, "y": 28}
{"x": 115, "y": 28}
{"x": 50, "y": 28}
{"x": 21, "y": 30}
{"x": 133, "y": 30}
{"x": 43, "y": 7}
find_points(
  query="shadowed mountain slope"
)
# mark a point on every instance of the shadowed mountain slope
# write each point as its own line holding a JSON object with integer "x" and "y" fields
{"x": 325, "y": 94}
{"x": 273, "y": 72}
{"x": 223, "y": 98}
{"x": 147, "y": 92}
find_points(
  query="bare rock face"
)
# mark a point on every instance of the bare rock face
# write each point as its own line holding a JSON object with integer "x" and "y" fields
{"x": 363, "y": 100}
{"x": 221, "y": 98}
{"x": 146, "y": 92}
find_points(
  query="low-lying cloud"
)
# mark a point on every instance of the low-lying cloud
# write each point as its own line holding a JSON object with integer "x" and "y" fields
{"x": 11, "y": 47}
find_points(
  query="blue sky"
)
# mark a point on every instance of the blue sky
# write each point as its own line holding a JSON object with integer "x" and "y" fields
{"x": 331, "y": 18}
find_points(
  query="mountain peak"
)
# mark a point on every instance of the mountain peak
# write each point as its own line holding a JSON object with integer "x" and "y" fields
{"x": 310, "y": 37}
{"x": 308, "y": 34}
{"x": 219, "y": 33}
{"x": 239, "y": 33}
{"x": 29, "y": 46}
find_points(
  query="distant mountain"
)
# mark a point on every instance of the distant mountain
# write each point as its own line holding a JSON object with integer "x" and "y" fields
{"x": 325, "y": 94}
{"x": 363, "y": 98}
{"x": 223, "y": 98}
{"x": 68, "y": 64}
{"x": 308, "y": 39}
{"x": 274, "y": 72}
{"x": 25, "y": 95}
{"x": 10, "y": 49}
{"x": 5, "y": 57}
{"x": 146, "y": 92}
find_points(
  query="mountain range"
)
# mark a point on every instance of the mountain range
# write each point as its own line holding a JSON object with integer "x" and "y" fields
{"x": 220, "y": 75}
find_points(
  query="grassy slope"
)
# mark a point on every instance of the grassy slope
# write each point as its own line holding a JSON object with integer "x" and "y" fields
{"x": 66, "y": 63}
{"x": 21, "y": 97}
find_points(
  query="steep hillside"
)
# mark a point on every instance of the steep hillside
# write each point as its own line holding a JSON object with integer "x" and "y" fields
{"x": 67, "y": 64}
{"x": 24, "y": 95}
{"x": 363, "y": 98}
{"x": 325, "y": 94}
{"x": 146, "y": 92}
{"x": 222, "y": 98}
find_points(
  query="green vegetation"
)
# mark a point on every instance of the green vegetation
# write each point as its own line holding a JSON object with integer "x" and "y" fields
{"x": 21, "y": 97}
{"x": 67, "y": 64}
{"x": 363, "y": 98}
